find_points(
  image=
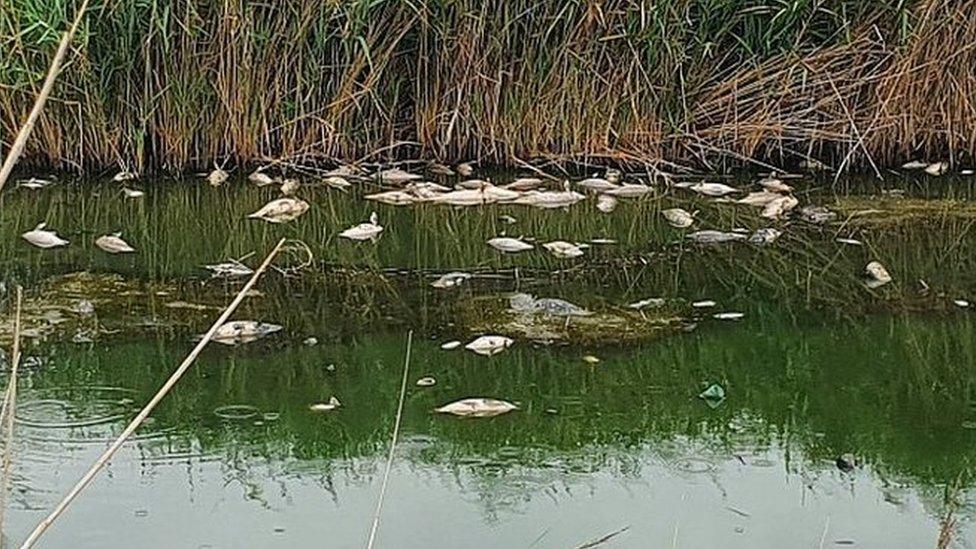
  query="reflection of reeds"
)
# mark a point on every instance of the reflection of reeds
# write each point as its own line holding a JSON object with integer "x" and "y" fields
{"x": 9, "y": 411}
{"x": 693, "y": 80}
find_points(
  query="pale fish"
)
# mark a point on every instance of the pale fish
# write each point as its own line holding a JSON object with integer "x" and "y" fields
{"x": 563, "y": 250}
{"x": 217, "y": 176}
{"x": 606, "y": 203}
{"x": 498, "y": 194}
{"x": 550, "y": 199}
{"x": 132, "y": 193}
{"x": 260, "y": 178}
{"x": 914, "y": 165}
{"x": 464, "y": 197}
{"x": 396, "y": 175}
{"x": 937, "y": 168}
{"x": 237, "y": 332}
{"x": 337, "y": 182}
{"x": 703, "y": 304}
{"x": 714, "y": 237}
{"x": 876, "y": 275}
{"x": 229, "y": 269}
{"x": 630, "y": 190}
{"x": 34, "y": 183}
{"x": 124, "y": 175}
{"x": 849, "y": 241}
{"x": 450, "y": 280}
{"x": 113, "y": 244}
{"x": 450, "y": 345}
{"x": 331, "y": 405}
{"x": 678, "y": 218}
{"x": 393, "y": 198}
{"x": 477, "y": 407}
{"x": 596, "y": 184}
{"x": 364, "y": 231}
{"x": 613, "y": 175}
{"x": 426, "y": 382}
{"x": 524, "y": 184}
{"x": 649, "y": 302}
{"x": 489, "y": 345}
{"x": 473, "y": 184}
{"x": 290, "y": 186}
{"x": 728, "y": 316}
{"x": 509, "y": 245}
{"x": 760, "y": 198}
{"x": 43, "y": 238}
{"x": 440, "y": 169}
{"x": 765, "y": 236}
{"x": 281, "y": 210}
{"x": 779, "y": 207}
{"x": 713, "y": 189}
{"x": 774, "y": 185}
{"x": 464, "y": 169}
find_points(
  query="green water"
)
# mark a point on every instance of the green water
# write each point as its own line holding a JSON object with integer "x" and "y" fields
{"x": 624, "y": 443}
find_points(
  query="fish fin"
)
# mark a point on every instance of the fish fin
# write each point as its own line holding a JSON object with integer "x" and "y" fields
{"x": 40, "y": 226}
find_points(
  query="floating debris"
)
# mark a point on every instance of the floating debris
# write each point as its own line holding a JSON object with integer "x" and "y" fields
{"x": 914, "y": 165}
{"x": 426, "y": 382}
{"x": 713, "y": 189}
{"x": 489, "y": 345}
{"x": 217, "y": 177}
{"x": 704, "y": 304}
{"x": 310, "y": 342}
{"x": 113, "y": 244}
{"x": 332, "y": 404}
{"x": 563, "y": 250}
{"x": 290, "y": 186}
{"x": 590, "y": 359}
{"x": 260, "y": 178}
{"x": 35, "y": 183}
{"x": 846, "y": 462}
{"x": 765, "y": 236}
{"x": 606, "y": 203}
{"x": 714, "y": 237}
{"x": 526, "y": 303}
{"x": 678, "y": 218}
{"x": 613, "y": 175}
{"x": 281, "y": 210}
{"x": 229, "y": 269}
{"x": 450, "y": 345}
{"x": 132, "y": 193}
{"x": 509, "y": 245}
{"x": 937, "y": 168}
{"x": 817, "y": 215}
{"x": 43, "y": 238}
{"x": 728, "y": 316}
{"x": 450, "y": 280}
{"x": 849, "y": 241}
{"x": 876, "y": 275}
{"x": 237, "y": 332}
{"x": 364, "y": 231}
{"x": 649, "y": 302}
{"x": 477, "y": 407}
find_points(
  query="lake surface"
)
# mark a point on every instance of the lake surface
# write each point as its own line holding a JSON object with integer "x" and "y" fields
{"x": 819, "y": 367}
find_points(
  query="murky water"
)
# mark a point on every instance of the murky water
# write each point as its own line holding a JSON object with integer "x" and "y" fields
{"x": 235, "y": 458}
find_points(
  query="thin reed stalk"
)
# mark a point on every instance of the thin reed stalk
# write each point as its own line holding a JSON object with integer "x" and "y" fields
{"x": 393, "y": 442}
{"x": 8, "y": 415}
{"x": 148, "y": 408}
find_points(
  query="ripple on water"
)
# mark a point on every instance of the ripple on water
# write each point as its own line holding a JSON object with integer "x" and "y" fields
{"x": 75, "y": 407}
{"x": 236, "y": 412}
{"x": 691, "y": 464}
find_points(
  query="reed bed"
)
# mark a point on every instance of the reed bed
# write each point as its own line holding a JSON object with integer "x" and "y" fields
{"x": 176, "y": 85}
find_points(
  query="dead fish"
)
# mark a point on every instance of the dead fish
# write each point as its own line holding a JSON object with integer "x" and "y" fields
{"x": 364, "y": 231}
{"x": 346, "y": 170}
{"x": 524, "y": 184}
{"x": 124, "y": 175}
{"x": 526, "y": 303}
{"x": 43, "y": 238}
{"x": 817, "y": 214}
{"x": 814, "y": 165}
{"x": 230, "y": 269}
{"x": 914, "y": 165}
{"x": 464, "y": 169}
{"x": 440, "y": 169}
{"x": 450, "y": 280}
{"x": 426, "y": 382}
{"x": 337, "y": 182}
{"x": 473, "y": 184}
{"x": 549, "y": 199}
{"x": 489, "y": 345}
{"x": 260, "y": 178}
{"x": 34, "y": 183}
{"x": 425, "y": 190}
{"x": 590, "y": 359}
{"x": 113, "y": 244}
{"x": 876, "y": 275}
{"x": 728, "y": 316}
{"x": 507, "y": 219}
{"x": 281, "y": 210}
{"x": 629, "y": 190}
{"x": 498, "y": 194}
{"x": 966, "y": 172}
{"x": 849, "y": 241}
{"x": 237, "y": 332}
{"x": 509, "y": 245}
{"x": 290, "y": 186}
{"x": 606, "y": 203}
{"x": 613, "y": 175}
{"x": 960, "y": 303}
{"x": 713, "y": 189}
{"x": 760, "y": 198}
{"x": 765, "y": 236}
{"x": 678, "y": 218}
{"x": 333, "y": 404}
{"x": 451, "y": 345}
{"x": 217, "y": 177}
{"x": 132, "y": 193}
{"x": 393, "y": 198}
{"x": 563, "y": 250}
{"x": 396, "y": 175}
{"x": 464, "y": 197}
{"x": 596, "y": 184}
{"x": 703, "y": 304}
{"x": 774, "y": 185}
{"x": 649, "y": 302}
{"x": 776, "y": 209}
{"x": 602, "y": 241}
{"x": 477, "y": 407}
{"x": 937, "y": 168}
{"x": 714, "y": 237}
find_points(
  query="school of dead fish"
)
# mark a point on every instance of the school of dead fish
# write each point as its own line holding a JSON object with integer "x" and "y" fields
{"x": 775, "y": 201}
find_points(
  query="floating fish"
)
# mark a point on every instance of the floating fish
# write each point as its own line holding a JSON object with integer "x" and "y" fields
{"x": 765, "y": 236}
{"x": 774, "y": 185}
{"x": 364, "y": 231}
{"x": 760, "y": 198}
{"x": 507, "y": 219}
{"x": 525, "y": 303}
{"x": 649, "y": 302}
{"x": 450, "y": 280}
{"x": 132, "y": 193}
{"x": 876, "y": 275}
{"x": 817, "y": 214}
{"x": 596, "y": 184}
{"x": 563, "y": 250}
{"x": 217, "y": 177}
{"x": 124, "y": 175}
{"x": 814, "y": 165}
{"x": 333, "y": 404}
{"x": 602, "y": 241}
{"x": 937, "y": 168}
{"x": 613, "y": 175}
{"x": 451, "y": 345}
{"x": 426, "y": 382}
{"x": 290, "y": 186}
{"x": 678, "y": 218}
{"x": 464, "y": 169}
{"x": 966, "y": 172}
{"x": 113, "y": 244}
{"x": 549, "y": 199}
{"x": 489, "y": 345}
{"x": 347, "y": 171}
{"x": 464, "y": 197}
{"x": 713, "y": 189}
{"x": 728, "y": 316}
{"x": 440, "y": 169}
{"x": 960, "y": 303}
{"x": 237, "y": 332}
{"x": 260, "y": 178}
{"x": 509, "y": 245}
{"x": 714, "y": 237}
{"x": 35, "y": 183}
{"x": 477, "y": 407}
{"x": 281, "y": 210}
{"x": 230, "y": 269}
{"x": 498, "y": 194}
{"x": 43, "y": 238}
{"x": 629, "y": 190}
{"x": 393, "y": 198}
{"x": 914, "y": 165}
{"x": 849, "y": 241}
{"x": 337, "y": 182}
{"x": 779, "y": 207}
{"x": 704, "y": 304}
{"x": 524, "y": 184}
{"x": 396, "y": 175}
{"x": 606, "y": 203}
{"x": 590, "y": 359}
